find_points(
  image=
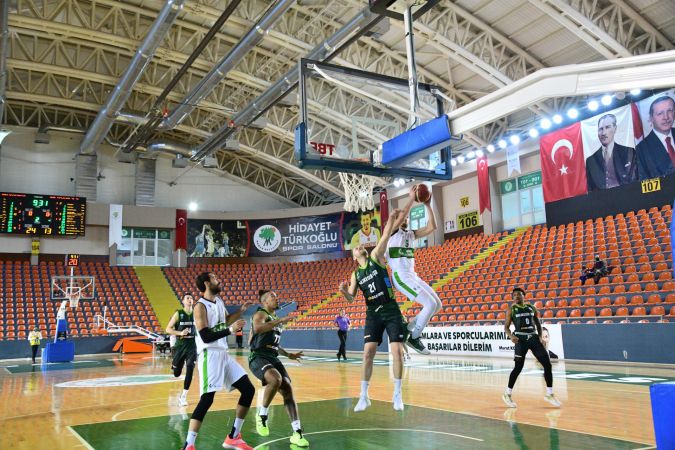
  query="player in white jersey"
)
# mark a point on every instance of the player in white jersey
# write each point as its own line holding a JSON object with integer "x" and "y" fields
{"x": 217, "y": 370}
{"x": 401, "y": 259}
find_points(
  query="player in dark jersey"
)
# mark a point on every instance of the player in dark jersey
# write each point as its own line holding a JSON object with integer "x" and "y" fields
{"x": 527, "y": 336}
{"x": 382, "y": 313}
{"x": 264, "y": 363}
{"x": 182, "y": 326}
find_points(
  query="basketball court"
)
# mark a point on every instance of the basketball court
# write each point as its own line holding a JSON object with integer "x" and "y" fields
{"x": 129, "y": 402}
{"x": 364, "y": 123}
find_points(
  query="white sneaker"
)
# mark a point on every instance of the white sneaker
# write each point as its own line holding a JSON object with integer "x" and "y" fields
{"x": 182, "y": 401}
{"x": 364, "y": 402}
{"x": 508, "y": 400}
{"x": 552, "y": 400}
{"x": 398, "y": 402}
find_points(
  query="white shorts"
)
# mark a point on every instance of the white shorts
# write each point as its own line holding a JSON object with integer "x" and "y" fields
{"x": 217, "y": 371}
{"x": 410, "y": 285}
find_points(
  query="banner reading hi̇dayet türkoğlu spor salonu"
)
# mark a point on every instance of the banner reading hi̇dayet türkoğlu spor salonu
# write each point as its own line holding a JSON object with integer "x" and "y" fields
{"x": 281, "y": 237}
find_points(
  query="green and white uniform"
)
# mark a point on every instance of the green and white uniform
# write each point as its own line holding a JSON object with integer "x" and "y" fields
{"x": 401, "y": 258}
{"x": 217, "y": 370}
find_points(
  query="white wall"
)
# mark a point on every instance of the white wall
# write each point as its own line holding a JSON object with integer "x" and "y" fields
{"x": 467, "y": 186}
{"x": 47, "y": 169}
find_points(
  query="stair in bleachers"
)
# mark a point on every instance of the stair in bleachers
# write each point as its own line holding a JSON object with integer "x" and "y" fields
{"x": 162, "y": 298}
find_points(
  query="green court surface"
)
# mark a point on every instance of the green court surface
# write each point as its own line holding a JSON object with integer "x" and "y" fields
{"x": 24, "y": 368}
{"x": 332, "y": 424}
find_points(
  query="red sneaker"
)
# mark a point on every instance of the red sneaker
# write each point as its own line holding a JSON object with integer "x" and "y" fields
{"x": 237, "y": 443}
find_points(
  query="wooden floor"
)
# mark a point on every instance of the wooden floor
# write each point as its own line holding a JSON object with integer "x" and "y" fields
{"x": 47, "y": 406}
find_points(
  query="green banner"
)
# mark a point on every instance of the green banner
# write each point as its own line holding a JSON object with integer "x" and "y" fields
{"x": 507, "y": 186}
{"x": 163, "y": 234}
{"x": 145, "y": 233}
{"x": 418, "y": 212}
{"x": 529, "y": 180}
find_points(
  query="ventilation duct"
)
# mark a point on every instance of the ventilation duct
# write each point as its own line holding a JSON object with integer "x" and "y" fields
{"x": 160, "y": 28}
{"x": 145, "y": 181}
{"x": 220, "y": 71}
{"x": 86, "y": 170}
{"x": 325, "y": 50}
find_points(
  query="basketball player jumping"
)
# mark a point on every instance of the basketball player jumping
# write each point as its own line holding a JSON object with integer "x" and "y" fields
{"x": 527, "y": 336}
{"x": 182, "y": 327}
{"x": 265, "y": 365}
{"x": 382, "y": 313}
{"x": 217, "y": 369}
{"x": 401, "y": 258}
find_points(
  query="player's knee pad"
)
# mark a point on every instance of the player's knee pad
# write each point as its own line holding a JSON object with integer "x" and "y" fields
{"x": 205, "y": 402}
{"x": 246, "y": 390}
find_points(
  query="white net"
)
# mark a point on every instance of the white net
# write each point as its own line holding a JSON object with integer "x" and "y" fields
{"x": 358, "y": 191}
{"x": 74, "y": 296}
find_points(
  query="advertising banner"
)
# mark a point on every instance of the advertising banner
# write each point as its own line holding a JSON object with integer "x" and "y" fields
{"x": 489, "y": 340}
{"x": 280, "y": 237}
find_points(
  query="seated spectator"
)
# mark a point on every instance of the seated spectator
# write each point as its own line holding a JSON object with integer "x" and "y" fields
{"x": 600, "y": 269}
{"x": 586, "y": 274}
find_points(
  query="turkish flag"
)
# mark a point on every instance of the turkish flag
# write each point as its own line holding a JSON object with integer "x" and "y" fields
{"x": 384, "y": 208}
{"x": 562, "y": 163}
{"x": 181, "y": 229}
{"x": 638, "y": 131}
{"x": 484, "y": 201}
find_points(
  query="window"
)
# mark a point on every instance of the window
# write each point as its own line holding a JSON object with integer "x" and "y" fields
{"x": 522, "y": 201}
{"x": 145, "y": 247}
{"x": 418, "y": 219}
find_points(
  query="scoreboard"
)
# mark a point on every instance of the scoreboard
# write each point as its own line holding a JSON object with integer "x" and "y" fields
{"x": 42, "y": 215}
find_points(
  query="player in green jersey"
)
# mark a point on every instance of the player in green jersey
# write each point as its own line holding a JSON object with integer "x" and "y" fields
{"x": 526, "y": 336}
{"x": 182, "y": 326}
{"x": 382, "y": 313}
{"x": 264, "y": 363}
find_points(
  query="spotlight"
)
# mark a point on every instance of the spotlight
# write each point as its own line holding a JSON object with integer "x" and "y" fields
{"x": 460, "y": 159}
{"x": 491, "y": 148}
{"x": 593, "y": 105}
{"x": 479, "y": 153}
{"x": 606, "y": 100}
{"x": 193, "y": 206}
{"x": 453, "y": 162}
{"x": 572, "y": 113}
{"x": 502, "y": 143}
{"x": 635, "y": 92}
{"x": 470, "y": 155}
{"x": 545, "y": 124}
{"x": 533, "y": 133}
{"x": 557, "y": 119}
{"x": 515, "y": 139}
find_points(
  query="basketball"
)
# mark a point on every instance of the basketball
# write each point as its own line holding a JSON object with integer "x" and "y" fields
{"x": 423, "y": 193}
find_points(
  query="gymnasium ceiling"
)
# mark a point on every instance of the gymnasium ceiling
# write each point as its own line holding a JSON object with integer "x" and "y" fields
{"x": 66, "y": 56}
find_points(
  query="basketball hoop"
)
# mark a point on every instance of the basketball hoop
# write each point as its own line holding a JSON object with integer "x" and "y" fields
{"x": 358, "y": 191}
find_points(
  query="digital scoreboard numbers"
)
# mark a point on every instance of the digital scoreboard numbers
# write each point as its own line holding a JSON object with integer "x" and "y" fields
{"x": 42, "y": 215}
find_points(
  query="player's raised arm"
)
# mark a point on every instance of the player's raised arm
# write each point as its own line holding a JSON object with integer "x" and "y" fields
{"x": 406, "y": 209}
{"x": 431, "y": 224}
{"x": 378, "y": 252}
{"x": 237, "y": 314}
{"x": 259, "y": 326}
{"x": 349, "y": 292}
